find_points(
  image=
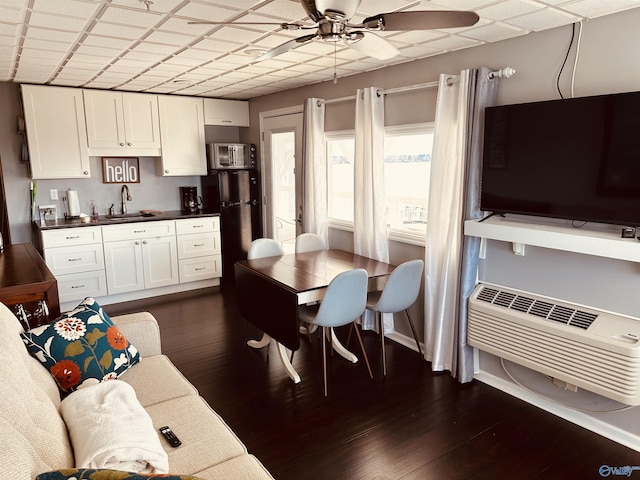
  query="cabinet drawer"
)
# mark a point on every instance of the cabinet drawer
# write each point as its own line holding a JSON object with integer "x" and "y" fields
{"x": 201, "y": 268}
{"x": 132, "y": 231}
{"x": 71, "y": 236}
{"x": 198, "y": 225}
{"x": 81, "y": 258}
{"x": 77, "y": 286}
{"x": 198, "y": 245}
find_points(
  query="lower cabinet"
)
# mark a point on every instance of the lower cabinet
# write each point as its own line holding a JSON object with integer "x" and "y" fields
{"x": 136, "y": 260}
{"x": 99, "y": 261}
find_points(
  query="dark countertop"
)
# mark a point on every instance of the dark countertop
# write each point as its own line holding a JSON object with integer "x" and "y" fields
{"x": 103, "y": 220}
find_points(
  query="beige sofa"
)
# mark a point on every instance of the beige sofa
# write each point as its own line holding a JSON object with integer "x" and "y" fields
{"x": 35, "y": 438}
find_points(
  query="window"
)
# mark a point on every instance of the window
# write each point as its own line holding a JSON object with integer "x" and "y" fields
{"x": 407, "y": 169}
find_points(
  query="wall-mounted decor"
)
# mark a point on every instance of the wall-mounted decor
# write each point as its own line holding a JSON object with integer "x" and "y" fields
{"x": 120, "y": 170}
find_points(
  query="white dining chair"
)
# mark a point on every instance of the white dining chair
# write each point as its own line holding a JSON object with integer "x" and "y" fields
{"x": 264, "y": 247}
{"x": 309, "y": 242}
{"x": 343, "y": 303}
{"x": 398, "y": 294}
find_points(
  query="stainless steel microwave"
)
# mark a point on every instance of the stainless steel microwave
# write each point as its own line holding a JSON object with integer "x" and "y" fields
{"x": 224, "y": 156}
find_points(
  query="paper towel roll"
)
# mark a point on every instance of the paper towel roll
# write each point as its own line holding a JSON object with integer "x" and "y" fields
{"x": 74, "y": 203}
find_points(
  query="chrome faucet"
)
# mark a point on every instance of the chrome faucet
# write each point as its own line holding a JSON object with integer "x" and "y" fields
{"x": 128, "y": 198}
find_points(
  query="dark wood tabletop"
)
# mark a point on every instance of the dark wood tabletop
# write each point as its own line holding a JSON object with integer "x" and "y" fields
{"x": 270, "y": 289}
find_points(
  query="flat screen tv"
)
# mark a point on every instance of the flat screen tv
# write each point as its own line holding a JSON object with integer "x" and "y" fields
{"x": 577, "y": 159}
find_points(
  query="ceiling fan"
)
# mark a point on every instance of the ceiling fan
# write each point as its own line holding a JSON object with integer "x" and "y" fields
{"x": 332, "y": 25}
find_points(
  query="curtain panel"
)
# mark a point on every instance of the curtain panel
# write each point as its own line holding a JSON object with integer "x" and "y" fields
{"x": 451, "y": 260}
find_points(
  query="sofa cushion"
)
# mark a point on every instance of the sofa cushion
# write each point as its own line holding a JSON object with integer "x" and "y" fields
{"x": 95, "y": 474}
{"x": 206, "y": 438}
{"x": 157, "y": 380}
{"x": 81, "y": 347}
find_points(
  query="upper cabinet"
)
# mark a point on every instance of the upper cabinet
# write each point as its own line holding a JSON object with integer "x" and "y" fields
{"x": 226, "y": 112}
{"x": 56, "y": 132}
{"x": 122, "y": 124}
{"x": 182, "y": 134}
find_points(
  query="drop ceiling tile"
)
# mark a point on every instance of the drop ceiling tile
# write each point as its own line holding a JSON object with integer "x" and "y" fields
{"x": 167, "y": 38}
{"x": 51, "y": 35}
{"x": 237, "y": 35}
{"x": 234, "y": 60}
{"x": 46, "y": 45}
{"x": 120, "y": 44}
{"x": 71, "y": 8}
{"x": 98, "y": 51}
{"x": 200, "y": 11}
{"x": 420, "y": 51}
{"x": 57, "y": 21}
{"x": 374, "y": 7}
{"x": 182, "y": 25}
{"x": 295, "y": 56}
{"x": 89, "y": 60}
{"x": 12, "y": 15}
{"x": 456, "y": 4}
{"x": 127, "y": 32}
{"x": 417, "y": 36}
{"x": 129, "y": 17}
{"x": 183, "y": 61}
{"x": 452, "y": 43}
{"x": 215, "y": 45}
{"x": 32, "y": 54}
{"x": 264, "y": 24}
{"x": 283, "y": 9}
{"x": 505, "y": 10}
{"x": 158, "y": 6}
{"x": 7, "y": 29}
{"x": 155, "y": 49}
{"x": 542, "y": 19}
{"x": 14, "y": 3}
{"x": 101, "y": 85}
{"x": 597, "y": 8}
{"x": 318, "y": 48}
{"x": 198, "y": 54}
{"x": 495, "y": 32}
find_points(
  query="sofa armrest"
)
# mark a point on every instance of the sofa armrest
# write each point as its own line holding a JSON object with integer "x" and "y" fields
{"x": 142, "y": 331}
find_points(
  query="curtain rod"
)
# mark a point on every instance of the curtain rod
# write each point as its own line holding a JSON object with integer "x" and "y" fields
{"x": 387, "y": 92}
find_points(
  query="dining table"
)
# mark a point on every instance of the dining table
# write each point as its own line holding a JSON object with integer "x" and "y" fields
{"x": 270, "y": 289}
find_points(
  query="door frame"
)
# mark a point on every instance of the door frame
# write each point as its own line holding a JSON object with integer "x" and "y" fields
{"x": 266, "y": 175}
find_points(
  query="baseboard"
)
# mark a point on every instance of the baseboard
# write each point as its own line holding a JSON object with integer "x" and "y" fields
{"x": 404, "y": 340}
{"x": 579, "y": 418}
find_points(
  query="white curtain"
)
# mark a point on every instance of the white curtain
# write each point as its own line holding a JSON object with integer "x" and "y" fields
{"x": 451, "y": 260}
{"x": 314, "y": 170}
{"x": 370, "y": 219}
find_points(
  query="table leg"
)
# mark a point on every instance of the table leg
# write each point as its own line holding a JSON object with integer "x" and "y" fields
{"x": 263, "y": 342}
{"x": 338, "y": 347}
{"x": 283, "y": 353}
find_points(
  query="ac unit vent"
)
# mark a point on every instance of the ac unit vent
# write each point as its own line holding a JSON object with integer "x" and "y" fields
{"x": 539, "y": 308}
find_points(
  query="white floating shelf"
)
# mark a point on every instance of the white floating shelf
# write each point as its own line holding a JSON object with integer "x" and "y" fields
{"x": 596, "y": 239}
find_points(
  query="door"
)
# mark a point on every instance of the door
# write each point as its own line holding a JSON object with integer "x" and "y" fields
{"x": 282, "y": 182}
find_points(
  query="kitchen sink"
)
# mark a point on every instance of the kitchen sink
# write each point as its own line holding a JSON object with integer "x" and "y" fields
{"x": 129, "y": 216}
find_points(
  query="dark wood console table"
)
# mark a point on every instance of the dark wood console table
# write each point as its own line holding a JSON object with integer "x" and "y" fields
{"x": 25, "y": 279}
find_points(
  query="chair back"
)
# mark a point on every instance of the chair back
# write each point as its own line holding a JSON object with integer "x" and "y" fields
{"x": 309, "y": 242}
{"x": 402, "y": 288}
{"x": 344, "y": 300}
{"x": 264, "y": 247}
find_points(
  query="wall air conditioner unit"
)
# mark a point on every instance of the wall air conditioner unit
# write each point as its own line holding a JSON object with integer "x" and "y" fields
{"x": 596, "y": 350}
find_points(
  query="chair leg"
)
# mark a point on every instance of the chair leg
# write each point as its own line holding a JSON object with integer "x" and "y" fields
{"x": 415, "y": 335}
{"x": 364, "y": 353}
{"x": 384, "y": 354}
{"x": 324, "y": 358}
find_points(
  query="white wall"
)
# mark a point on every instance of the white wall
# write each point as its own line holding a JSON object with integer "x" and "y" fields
{"x": 608, "y": 63}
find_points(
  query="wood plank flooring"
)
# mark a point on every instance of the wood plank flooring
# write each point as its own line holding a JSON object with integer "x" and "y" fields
{"x": 413, "y": 424}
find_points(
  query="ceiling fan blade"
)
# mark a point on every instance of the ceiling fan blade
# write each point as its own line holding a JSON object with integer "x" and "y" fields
{"x": 285, "y": 47}
{"x": 423, "y": 20}
{"x": 374, "y": 46}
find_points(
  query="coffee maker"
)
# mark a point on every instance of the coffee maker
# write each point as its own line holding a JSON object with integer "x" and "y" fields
{"x": 190, "y": 200}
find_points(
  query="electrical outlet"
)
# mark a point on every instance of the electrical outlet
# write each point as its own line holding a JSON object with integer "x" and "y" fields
{"x": 53, "y": 193}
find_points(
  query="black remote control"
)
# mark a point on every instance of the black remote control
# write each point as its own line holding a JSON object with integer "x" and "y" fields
{"x": 170, "y": 436}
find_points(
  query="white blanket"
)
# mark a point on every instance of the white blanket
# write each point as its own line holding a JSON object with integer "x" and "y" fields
{"x": 110, "y": 429}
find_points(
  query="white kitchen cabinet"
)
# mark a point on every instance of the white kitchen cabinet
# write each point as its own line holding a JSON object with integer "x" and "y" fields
{"x": 56, "y": 132}
{"x": 199, "y": 252}
{"x": 140, "y": 256}
{"x": 122, "y": 124}
{"x": 75, "y": 257}
{"x": 182, "y": 136}
{"x": 234, "y": 113}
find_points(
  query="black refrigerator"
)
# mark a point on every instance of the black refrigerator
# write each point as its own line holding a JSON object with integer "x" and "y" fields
{"x": 235, "y": 194}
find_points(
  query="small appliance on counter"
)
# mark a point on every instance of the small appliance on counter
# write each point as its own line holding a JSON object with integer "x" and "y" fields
{"x": 191, "y": 202}
{"x": 231, "y": 156}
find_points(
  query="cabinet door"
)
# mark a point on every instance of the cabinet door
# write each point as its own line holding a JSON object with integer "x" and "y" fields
{"x": 141, "y": 121}
{"x": 56, "y": 132}
{"x": 226, "y": 112}
{"x": 124, "y": 267}
{"x": 105, "y": 119}
{"x": 160, "y": 261}
{"x": 182, "y": 136}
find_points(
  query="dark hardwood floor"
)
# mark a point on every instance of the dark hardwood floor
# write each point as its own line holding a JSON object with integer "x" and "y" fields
{"x": 413, "y": 424}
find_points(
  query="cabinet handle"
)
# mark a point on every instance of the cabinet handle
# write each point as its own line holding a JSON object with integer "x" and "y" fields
{"x": 197, "y": 269}
{"x": 77, "y": 286}
{"x": 72, "y": 238}
{"x": 166, "y": 171}
{"x": 144, "y": 242}
{"x": 198, "y": 226}
{"x": 128, "y": 144}
{"x": 139, "y": 231}
{"x": 86, "y": 172}
{"x": 198, "y": 244}
{"x": 137, "y": 242}
{"x": 122, "y": 144}
{"x": 74, "y": 259}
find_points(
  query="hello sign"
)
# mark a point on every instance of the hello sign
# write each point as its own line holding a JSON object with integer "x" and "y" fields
{"x": 120, "y": 170}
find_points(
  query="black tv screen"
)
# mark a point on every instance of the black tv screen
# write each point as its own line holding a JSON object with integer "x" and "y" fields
{"x": 576, "y": 159}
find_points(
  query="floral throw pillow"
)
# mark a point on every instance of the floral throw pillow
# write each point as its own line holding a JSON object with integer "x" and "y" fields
{"x": 93, "y": 474}
{"x": 81, "y": 347}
